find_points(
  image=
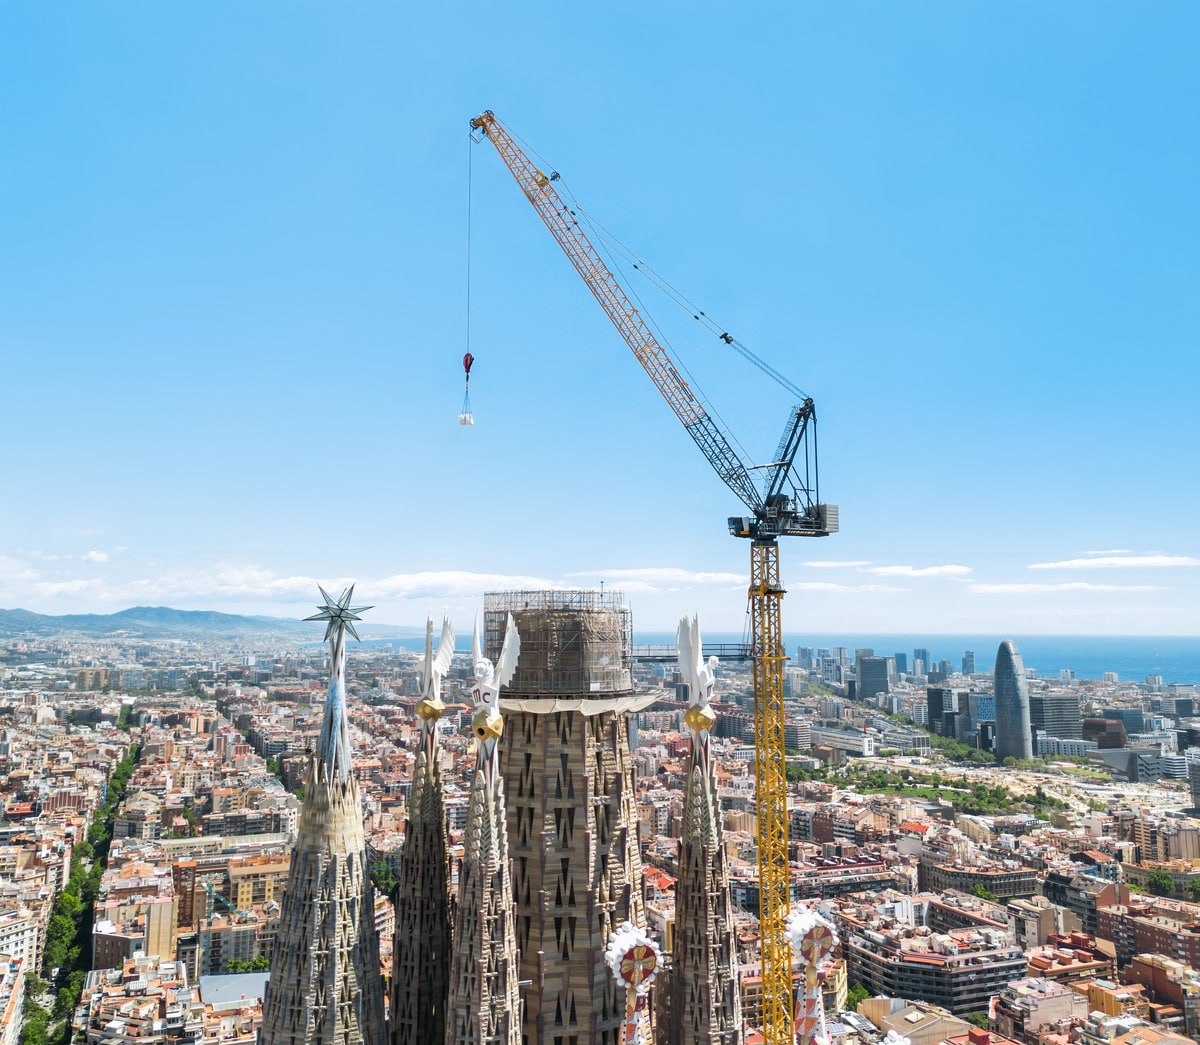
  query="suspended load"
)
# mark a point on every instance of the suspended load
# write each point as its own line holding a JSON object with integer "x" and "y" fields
{"x": 466, "y": 418}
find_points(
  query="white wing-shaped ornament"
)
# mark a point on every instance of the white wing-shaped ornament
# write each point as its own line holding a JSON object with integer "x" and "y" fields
{"x": 427, "y": 665}
{"x": 506, "y": 666}
{"x": 430, "y": 706}
{"x": 477, "y": 661}
{"x": 696, "y": 671}
{"x": 445, "y": 653}
{"x": 488, "y": 724}
{"x": 708, "y": 676}
{"x": 686, "y": 658}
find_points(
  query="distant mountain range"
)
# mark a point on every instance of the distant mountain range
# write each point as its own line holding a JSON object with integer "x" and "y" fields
{"x": 162, "y": 622}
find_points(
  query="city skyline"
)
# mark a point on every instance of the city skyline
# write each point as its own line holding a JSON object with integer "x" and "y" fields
{"x": 966, "y": 233}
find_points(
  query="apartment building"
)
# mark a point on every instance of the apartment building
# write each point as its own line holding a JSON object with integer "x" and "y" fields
{"x": 958, "y": 970}
{"x": 1152, "y": 925}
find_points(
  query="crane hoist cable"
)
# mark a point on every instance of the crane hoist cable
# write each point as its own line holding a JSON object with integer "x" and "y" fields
{"x": 611, "y": 245}
{"x": 614, "y": 244}
{"x": 613, "y": 251}
{"x": 680, "y": 299}
{"x": 466, "y": 417}
{"x": 648, "y": 316}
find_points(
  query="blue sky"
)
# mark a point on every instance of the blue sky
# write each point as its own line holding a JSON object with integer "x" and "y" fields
{"x": 233, "y": 306}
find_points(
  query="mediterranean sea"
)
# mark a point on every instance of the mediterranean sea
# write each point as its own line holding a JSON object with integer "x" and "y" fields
{"x": 1132, "y": 658}
{"x": 1175, "y": 658}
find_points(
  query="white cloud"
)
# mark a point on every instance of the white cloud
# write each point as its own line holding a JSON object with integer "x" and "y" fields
{"x": 206, "y": 589}
{"x": 257, "y": 584}
{"x": 254, "y": 580}
{"x": 96, "y": 556}
{"x": 261, "y": 590}
{"x": 1117, "y": 562}
{"x": 447, "y": 584}
{"x": 57, "y": 589}
{"x": 949, "y": 570}
{"x": 16, "y": 570}
{"x": 833, "y": 564}
{"x": 1025, "y": 589}
{"x": 669, "y": 575}
{"x": 830, "y": 586}
{"x": 1111, "y": 551}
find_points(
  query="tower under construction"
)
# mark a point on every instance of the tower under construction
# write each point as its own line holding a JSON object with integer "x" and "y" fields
{"x": 572, "y": 819}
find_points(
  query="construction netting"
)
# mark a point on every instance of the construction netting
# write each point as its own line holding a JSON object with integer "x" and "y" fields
{"x": 574, "y": 643}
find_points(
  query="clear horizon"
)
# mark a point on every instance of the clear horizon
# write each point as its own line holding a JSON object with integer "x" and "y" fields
{"x": 652, "y": 629}
{"x": 235, "y": 304}
{"x": 1132, "y": 657}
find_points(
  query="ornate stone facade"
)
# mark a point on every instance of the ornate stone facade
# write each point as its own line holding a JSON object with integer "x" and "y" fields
{"x": 485, "y": 1007}
{"x": 422, "y": 939}
{"x": 421, "y": 953}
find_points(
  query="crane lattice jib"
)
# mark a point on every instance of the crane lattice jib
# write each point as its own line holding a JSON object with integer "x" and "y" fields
{"x": 770, "y": 767}
{"x": 766, "y": 592}
{"x": 557, "y": 216}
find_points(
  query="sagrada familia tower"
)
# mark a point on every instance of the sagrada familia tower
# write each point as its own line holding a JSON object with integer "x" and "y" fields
{"x": 541, "y": 940}
{"x": 704, "y": 1001}
{"x": 421, "y": 950}
{"x": 325, "y": 986}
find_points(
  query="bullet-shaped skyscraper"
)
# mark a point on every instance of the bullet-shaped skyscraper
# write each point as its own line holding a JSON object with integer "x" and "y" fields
{"x": 1014, "y": 732}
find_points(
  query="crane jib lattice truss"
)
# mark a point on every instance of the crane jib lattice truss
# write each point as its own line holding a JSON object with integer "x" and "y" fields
{"x": 786, "y": 505}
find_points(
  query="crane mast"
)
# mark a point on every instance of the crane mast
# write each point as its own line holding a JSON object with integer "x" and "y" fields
{"x": 787, "y": 505}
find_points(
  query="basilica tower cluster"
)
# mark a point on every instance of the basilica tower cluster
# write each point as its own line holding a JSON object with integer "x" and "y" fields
{"x": 518, "y": 950}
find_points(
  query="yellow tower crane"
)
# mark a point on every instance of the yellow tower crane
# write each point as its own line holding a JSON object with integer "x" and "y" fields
{"x": 784, "y": 502}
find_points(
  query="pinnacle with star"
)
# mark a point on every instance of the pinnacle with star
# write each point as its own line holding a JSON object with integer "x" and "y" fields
{"x": 338, "y": 612}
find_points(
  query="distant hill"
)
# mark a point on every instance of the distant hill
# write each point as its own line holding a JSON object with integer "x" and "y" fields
{"x": 162, "y": 622}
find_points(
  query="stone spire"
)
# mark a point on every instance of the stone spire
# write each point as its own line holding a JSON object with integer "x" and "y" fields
{"x": 325, "y": 987}
{"x": 421, "y": 954}
{"x": 484, "y": 1006}
{"x": 703, "y": 999}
